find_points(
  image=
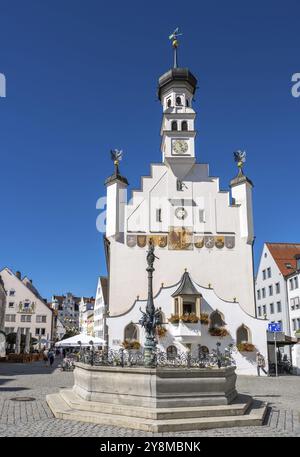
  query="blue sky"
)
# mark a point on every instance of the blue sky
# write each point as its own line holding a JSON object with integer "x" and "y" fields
{"x": 81, "y": 79}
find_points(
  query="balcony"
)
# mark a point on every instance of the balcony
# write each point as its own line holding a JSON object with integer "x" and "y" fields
{"x": 186, "y": 332}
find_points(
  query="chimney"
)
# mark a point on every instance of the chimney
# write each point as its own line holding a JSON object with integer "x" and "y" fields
{"x": 18, "y": 274}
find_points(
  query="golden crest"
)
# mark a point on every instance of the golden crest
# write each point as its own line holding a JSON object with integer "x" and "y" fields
{"x": 162, "y": 241}
{"x": 219, "y": 242}
{"x": 131, "y": 240}
{"x": 141, "y": 241}
{"x": 180, "y": 238}
{"x": 199, "y": 241}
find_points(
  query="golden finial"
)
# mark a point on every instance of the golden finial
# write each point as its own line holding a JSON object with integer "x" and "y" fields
{"x": 162, "y": 284}
{"x": 175, "y": 43}
{"x": 240, "y": 159}
{"x": 234, "y": 299}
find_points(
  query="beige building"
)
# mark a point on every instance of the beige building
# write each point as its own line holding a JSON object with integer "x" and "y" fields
{"x": 25, "y": 308}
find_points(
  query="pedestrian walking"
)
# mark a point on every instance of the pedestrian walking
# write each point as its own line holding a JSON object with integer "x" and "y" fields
{"x": 260, "y": 361}
{"x": 51, "y": 357}
{"x": 45, "y": 356}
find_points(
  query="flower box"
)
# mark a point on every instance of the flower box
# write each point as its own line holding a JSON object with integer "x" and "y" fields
{"x": 204, "y": 319}
{"x": 245, "y": 347}
{"x": 218, "y": 331}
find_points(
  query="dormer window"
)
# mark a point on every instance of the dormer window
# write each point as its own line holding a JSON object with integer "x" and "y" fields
{"x": 178, "y": 101}
{"x": 186, "y": 299}
{"x": 169, "y": 103}
{"x": 174, "y": 126}
{"x": 184, "y": 126}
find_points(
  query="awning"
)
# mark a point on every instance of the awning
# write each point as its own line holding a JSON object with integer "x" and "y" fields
{"x": 281, "y": 339}
{"x": 83, "y": 338}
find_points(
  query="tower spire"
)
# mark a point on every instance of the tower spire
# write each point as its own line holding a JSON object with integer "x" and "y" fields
{"x": 174, "y": 39}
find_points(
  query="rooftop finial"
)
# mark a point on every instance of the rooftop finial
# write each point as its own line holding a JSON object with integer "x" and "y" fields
{"x": 116, "y": 157}
{"x": 174, "y": 39}
{"x": 240, "y": 159}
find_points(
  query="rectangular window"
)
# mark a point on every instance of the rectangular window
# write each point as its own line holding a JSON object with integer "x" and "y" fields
{"x": 9, "y": 330}
{"x": 296, "y": 285}
{"x": 11, "y": 304}
{"x": 264, "y": 310}
{"x": 25, "y": 318}
{"x": 40, "y": 318}
{"x": 11, "y": 293}
{"x": 43, "y": 331}
{"x": 291, "y": 284}
{"x": 10, "y": 317}
{"x": 269, "y": 272}
{"x": 264, "y": 274}
{"x": 279, "y": 307}
{"x": 298, "y": 323}
{"x": 271, "y": 308}
{"x": 294, "y": 324}
{"x": 201, "y": 215}
{"x": 158, "y": 215}
{"x": 258, "y": 294}
{"x": 259, "y": 310}
{"x": 277, "y": 288}
{"x": 176, "y": 306}
{"x": 37, "y": 331}
{"x": 270, "y": 290}
{"x": 280, "y": 322}
{"x": 263, "y": 292}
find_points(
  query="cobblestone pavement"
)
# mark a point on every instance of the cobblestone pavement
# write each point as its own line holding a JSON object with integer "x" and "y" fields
{"x": 34, "y": 418}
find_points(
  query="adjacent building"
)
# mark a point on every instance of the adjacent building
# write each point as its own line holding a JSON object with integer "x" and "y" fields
{"x": 25, "y": 308}
{"x": 277, "y": 285}
{"x": 100, "y": 309}
{"x": 86, "y": 316}
{"x": 67, "y": 307}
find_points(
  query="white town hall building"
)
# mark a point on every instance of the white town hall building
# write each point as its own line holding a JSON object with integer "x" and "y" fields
{"x": 203, "y": 236}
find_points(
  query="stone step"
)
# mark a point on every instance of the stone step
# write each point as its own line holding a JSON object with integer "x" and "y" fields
{"x": 239, "y": 407}
{"x": 62, "y": 410}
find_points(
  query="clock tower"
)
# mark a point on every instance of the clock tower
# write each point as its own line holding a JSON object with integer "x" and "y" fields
{"x": 176, "y": 89}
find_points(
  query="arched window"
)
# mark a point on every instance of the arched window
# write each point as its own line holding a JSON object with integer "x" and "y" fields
{"x": 203, "y": 351}
{"x": 169, "y": 103}
{"x": 178, "y": 100}
{"x": 171, "y": 352}
{"x": 187, "y": 103}
{"x": 174, "y": 125}
{"x": 216, "y": 319}
{"x": 131, "y": 332}
{"x": 184, "y": 125}
{"x": 243, "y": 335}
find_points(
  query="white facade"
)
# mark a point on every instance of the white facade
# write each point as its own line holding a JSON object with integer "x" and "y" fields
{"x": 194, "y": 225}
{"x": 100, "y": 309}
{"x": 191, "y": 336}
{"x": 86, "y": 316}
{"x": 25, "y": 308}
{"x": 67, "y": 307}
{"x": 271, "y": 292}
{"x": 180, "y": 200}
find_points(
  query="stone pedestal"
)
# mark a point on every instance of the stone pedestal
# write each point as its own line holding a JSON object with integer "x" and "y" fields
{"x": 156, "y": 399}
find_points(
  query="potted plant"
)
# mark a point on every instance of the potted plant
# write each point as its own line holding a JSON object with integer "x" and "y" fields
{"x": 174, "y": 319}
{"x": 190, "y": 318}
{"x": 131, "y": 344}
{"x": 245, "y": 347}
{"x": 218, "y": 331}
{"x": 161, "y": 331}
{"x": 204, "y": 319}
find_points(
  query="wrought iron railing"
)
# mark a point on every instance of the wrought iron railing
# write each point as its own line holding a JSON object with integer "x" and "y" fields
{"x": 133, "y": 358}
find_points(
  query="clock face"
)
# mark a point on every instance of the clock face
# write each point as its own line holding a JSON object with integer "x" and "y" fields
{"x": 180, "y": 146}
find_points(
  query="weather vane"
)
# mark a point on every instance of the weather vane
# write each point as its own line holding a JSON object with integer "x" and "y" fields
{"x": 174, "y": 39}
{"x": 116, "y": 157}
{"x": 240, "y": 159}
